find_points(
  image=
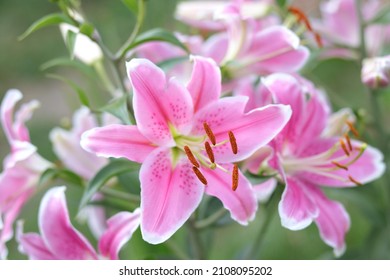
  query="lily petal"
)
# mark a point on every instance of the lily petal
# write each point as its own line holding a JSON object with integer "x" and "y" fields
{"x": 60, "y": 237}
{"x": 296, "y": 208}
{"x": 241, "y": 203}
{"x": 120, "y": 229}
{"x": 333, "y": 221}
{"x": 205, "y": 83}
{"x": 7, "y": 110}
{"x": 158, "y": 103}
{"x": 252, "y": 130}
{"x": 117, "y": 141}
{"x": 264, "y": 190}
{"x": 32, "y": 245}
{"x": 169, "y": 195}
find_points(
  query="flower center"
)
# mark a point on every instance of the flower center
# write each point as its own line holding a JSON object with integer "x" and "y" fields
{"x": 341, "y": 155}
{"x": 200, "y": 154}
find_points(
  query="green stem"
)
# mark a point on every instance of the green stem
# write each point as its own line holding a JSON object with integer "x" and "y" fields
{"x": 140, "y": 19}
{"x": 176, "y": 250}
{"x": 269, "y": 212}
{"x": 120, "y": 195}
{"x": 211, "y": 219}
{"x": 196, "y": 241}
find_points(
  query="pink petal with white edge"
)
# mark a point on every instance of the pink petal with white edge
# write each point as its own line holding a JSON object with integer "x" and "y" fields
{"x": 276, "y": 49}
{"x": 60, "y": 237}
{"x": 241, "y": 203}
{"x": 116, "y": 141}
{"x": 296, "y": 209}
{"x": 23, "y": 115}
{"x": 170, "y": 192}
{"x": 252, "y": 130}
{"x": 7, "y": 110}
{"x": 333, "y": 221}
{"x": 32, "y": 245}
{"x": 120, "y": 229}
{"x": 264, "y": 190}
{"x": 205, "y": 83}
{"x": 158, "y": 103}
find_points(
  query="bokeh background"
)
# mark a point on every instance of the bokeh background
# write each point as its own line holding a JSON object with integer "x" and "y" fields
{"x": 20, "y": 67}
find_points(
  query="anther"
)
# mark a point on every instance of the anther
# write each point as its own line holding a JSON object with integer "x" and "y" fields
{"x": 340, "y": 165}
{"x": 235, "y": 177}
{"x": 191, "y": 156}
{"x": 318, "y": 39}
{"x": 233, "y": 142}
{"x": 344, "y": 147}
{"x": 354, "y": 181}
{"x": 209, "y": 151}
{"x": 209, "y": 133}
{"x": 346, "y": 136}
{"x": 301, "y": 17}
{"x": 352, "y": 128}
{"x": 199, "y": 175}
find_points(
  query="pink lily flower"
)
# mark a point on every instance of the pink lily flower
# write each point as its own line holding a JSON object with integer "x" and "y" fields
{"x": 59, "y": 240}
{"x": 340, "y": 26}
{"x": 66, "y": 145}
{"x": 306, "y": 159}
{"x": 22, "y": 167}
{"x": 182, "y": 140}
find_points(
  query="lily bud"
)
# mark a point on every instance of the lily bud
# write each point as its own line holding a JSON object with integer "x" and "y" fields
{"x": 376, "y": 72}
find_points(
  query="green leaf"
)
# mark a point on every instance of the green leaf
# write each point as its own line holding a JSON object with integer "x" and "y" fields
{"x": 383, "y": 16}
{"x": 114, "y": 168}
{"x": 54, "y": 173}
{"x": 118, "y": 108}
{"x": 168, "y": 64}
{"x": 48, "y": 20}
{"x": 70, "y": 42}
{"x": 157, "y": 34}
{"x": 65, "y": 61}
{"x": 87, "y": 29}
{"x": 132, "y": 5}
{"x": 81, "y": 94}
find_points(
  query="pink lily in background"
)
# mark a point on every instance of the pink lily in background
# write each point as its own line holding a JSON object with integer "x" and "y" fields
{"x": 66, "y": 145}
{"x": 59, "y": 240}
{"x": 340, "y": 27}
{"x": 306, "y": 157}
{"x": 187, "y": 140}
{"x": 22, "y": 168}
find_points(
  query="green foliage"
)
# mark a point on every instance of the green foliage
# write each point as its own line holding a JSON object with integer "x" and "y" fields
{"x": 118, "y": 108}
{"x": 48, "y": 20}
{"x": 52, "y": 174}
{"x": 132, "y": 5}
{"x": 113, "y": 169}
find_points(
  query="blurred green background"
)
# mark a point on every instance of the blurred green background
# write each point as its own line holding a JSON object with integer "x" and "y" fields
{"x": 20, "y": 62}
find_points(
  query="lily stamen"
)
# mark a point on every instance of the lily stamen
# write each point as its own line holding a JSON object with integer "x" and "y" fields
{"x": 346, "y": 136}
{"x": 354, "y": 181}
{"x": 209, "y": 133}
{"x": 233, "y": 142}
{"x": 209, "y": 152}
{"x": 235, "y": 177}
{"x": 200, "y": 176}
{"x": 191, "y": 157}
{"x": 352, "y": 128}
{"x": 344, "y": 147}
{"x": 340, "y": 165}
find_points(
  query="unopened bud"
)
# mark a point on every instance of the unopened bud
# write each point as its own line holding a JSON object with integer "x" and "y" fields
{"x": 376, "y": 72}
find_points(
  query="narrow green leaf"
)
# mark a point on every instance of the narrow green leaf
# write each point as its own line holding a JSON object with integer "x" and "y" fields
{"x": 51, "y": 19}
{"x": 132, "y": 5}
{"x": 81, "y": 94}
{"x": 114, "y": 168}
{"x": 118, "y": 108}
{"x": 168, "y": 64}
{"x": 54, "y": 173}
{"x": 65, "y": 61}
{"x": 157, "y": 34}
